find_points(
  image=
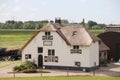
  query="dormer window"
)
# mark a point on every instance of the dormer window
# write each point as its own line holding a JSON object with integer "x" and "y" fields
{"x": 74, "y": 33}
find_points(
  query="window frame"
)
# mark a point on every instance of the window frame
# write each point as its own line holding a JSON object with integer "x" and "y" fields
{"x": 78, "y": 63}
{"x": 28, "y": 56}
{"x": 51, "y": 55}
{"x": 40, "y": 51}
{"x": 76, "y": 47}
{"x": 47, "y": 33}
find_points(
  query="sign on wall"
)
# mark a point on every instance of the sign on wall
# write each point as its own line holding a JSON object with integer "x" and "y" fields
{"x": 47, "y": 43}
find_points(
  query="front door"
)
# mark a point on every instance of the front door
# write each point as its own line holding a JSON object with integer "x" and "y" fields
{"x": 40, "y": 61}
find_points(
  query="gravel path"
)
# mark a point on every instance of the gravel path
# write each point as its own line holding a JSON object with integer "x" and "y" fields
{"x": 113, "y": 69}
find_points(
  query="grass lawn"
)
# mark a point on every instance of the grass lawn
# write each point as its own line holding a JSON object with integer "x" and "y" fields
{"x": 64, "y": 78}
{"x": 6, "y": 63}
{"x": 17, "y": 38}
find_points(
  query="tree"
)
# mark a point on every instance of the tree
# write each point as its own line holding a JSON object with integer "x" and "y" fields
{"x": 91, "y": 24}
{"x": 64, "y": 21}
{"x": 101, "y": 26}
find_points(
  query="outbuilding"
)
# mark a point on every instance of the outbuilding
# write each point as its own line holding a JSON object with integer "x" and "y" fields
{"x": 111, "y": 38}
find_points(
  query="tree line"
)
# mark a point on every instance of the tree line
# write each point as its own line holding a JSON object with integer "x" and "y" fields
{"x": 11, "y": 24}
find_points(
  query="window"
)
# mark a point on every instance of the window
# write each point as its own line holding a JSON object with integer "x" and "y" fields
{"x": 47, "y": 33}
{"x": 40, "y": 50}
{"x": 75, "y": 47}
{"x": 47, "y": 36}
{"x": 51, "y": 52}
{"x": 77, "y": 64}
{"x": 51, "y": 56}
{"x": 74, "y": 33}
{"x": 27, "y": 56}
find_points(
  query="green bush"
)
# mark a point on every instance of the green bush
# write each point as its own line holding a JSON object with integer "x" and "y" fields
{"x": 22, "y": 67}
{"x": 29, "y": 65}
{"x": 17, "y": 69}
{"x": 26, "y": 67}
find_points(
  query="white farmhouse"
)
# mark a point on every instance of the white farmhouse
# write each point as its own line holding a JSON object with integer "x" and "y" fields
{"x": 58, "y": 46}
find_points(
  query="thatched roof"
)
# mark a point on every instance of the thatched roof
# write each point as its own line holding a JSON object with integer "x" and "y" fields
{"x": 72, "y": 34}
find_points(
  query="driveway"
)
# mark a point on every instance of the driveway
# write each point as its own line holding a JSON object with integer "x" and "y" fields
{"x": 113, "y": 69}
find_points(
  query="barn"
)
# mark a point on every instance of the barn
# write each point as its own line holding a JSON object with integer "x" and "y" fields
{"x": 63, "y": 46}
{"x": 111, "y": 38}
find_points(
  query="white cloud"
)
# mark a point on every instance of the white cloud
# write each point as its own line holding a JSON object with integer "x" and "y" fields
{"x": 3, "y": 6}
{"x": 17, "y": 9}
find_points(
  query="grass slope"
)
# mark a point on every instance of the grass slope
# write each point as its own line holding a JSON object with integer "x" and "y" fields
{"x": 64, "y": 78}
{"x": 17, "y": 38}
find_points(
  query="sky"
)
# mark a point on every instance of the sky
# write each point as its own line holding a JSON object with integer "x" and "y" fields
{"x": 101, "y": 11}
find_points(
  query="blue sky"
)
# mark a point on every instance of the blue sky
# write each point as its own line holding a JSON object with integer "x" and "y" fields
{"x": 101, "y": 11}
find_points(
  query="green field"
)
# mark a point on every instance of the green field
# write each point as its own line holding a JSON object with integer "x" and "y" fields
{"x": 64, "y": 78}
{"x": 17, "y": 38}
{"x": 96, "y": 32}
{"x": 14, "y": 38}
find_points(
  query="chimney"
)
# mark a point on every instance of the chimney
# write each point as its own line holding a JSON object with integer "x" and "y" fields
{"x": 58, "y": 20}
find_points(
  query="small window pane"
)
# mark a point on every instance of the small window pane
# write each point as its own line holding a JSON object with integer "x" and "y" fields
{"x": 53, "y": 52}
{"x": 49, "y": 52}
{"x": 27, "y": 56}
{"x": 40, "y": 50}
{"x": 75, "y": 47}
{"x": 47, "y": 33}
